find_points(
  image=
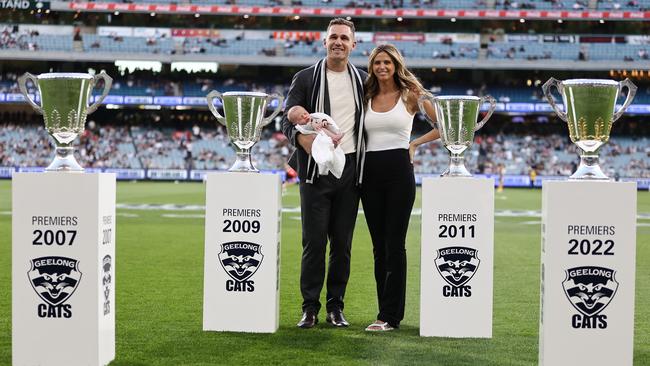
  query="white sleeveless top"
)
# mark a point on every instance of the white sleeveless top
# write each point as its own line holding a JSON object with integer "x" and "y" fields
{"x": 388, "y": 130}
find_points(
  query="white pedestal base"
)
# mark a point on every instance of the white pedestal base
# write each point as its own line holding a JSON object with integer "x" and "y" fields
{"x": 242, "y": 252}
{"x": 457, "y": 257}
{"x": 588, "y": 271}
{"x": 63, "y": 269}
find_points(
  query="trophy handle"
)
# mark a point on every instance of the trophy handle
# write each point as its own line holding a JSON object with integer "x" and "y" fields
{"x": 280, "y": 99}
{"x": 547, "y": 93}
{"x": 210, "y": 97}
{"x": 630, "y": 96}
{"x": 426, "y": 109}
{"x": 23, "y": 89}
{"x": 493, "y": 105}
{"x": 108, "y": 82}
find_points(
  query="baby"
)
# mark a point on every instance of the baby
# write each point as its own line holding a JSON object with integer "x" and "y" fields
{"x": 314, "y": 123}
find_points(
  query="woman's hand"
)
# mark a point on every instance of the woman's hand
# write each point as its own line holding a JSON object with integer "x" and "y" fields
{"x": 427, "y": 137}
{"x": 412, "y": 148}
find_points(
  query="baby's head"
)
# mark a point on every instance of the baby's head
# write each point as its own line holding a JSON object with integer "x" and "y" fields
{"x": 298, "y": 115}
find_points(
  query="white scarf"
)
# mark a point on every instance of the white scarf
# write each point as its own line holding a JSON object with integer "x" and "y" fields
{"x": 319, "y": 92}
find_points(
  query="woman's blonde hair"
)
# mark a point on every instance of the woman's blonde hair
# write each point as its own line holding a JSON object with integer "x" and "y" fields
{"x": 404, "y": 79}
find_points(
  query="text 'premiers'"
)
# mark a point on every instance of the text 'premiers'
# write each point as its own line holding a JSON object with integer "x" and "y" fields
{"x": 457, "y": 217}
{"x": 47, "y": 236}
{"x": 591, "y": 230}
{"x": 107, "y": 230}
{"x": 237, "y": 220}
{"x": 454, "y": 229}
{"x": 589, "y": 246}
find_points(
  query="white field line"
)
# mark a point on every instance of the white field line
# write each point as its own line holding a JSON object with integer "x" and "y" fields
{"x": 184, "y": 216}
{"x": 415, "y": 212}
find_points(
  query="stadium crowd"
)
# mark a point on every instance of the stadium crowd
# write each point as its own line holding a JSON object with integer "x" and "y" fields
{"x": 12, "y": 38}
{"x": 26, "y": 145}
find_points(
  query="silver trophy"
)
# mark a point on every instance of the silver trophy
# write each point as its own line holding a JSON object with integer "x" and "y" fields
{"x": 64, "y": 106}
{"x": 456, "y": 120}
{"x": 244, "y": 119}
{"x": 590, "y": 112}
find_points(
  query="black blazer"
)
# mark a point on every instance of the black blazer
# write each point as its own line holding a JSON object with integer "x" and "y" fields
{"x": 302, "y": 93}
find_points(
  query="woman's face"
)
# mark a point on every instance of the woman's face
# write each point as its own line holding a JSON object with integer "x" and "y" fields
{"x": 383, "y": 67}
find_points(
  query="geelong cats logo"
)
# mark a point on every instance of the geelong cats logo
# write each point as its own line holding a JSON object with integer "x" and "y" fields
{"x": 106, "y": 282}
{"x": 240, "y": 260}
{"x": 590, "y": 290}
{"x": 457, "y": 266}
{"x": 54, "y": 279}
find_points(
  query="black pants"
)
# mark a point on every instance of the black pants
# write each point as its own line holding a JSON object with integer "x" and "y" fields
{"x": 388, "y": 193}
{"x": 329, "y": 211}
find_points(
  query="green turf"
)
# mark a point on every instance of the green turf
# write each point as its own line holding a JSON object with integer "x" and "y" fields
{"x": 159, "y": 293}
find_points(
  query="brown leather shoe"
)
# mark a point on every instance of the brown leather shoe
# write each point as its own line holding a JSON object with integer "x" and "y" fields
{"x": 337, "y": 319}
{"x": 309, "y": 319}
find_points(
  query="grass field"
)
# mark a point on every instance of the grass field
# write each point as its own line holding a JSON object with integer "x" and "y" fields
{"x": 159, "y": 288}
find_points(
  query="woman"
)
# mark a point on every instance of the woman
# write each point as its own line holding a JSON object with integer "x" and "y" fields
{"x": 388, "y": 185}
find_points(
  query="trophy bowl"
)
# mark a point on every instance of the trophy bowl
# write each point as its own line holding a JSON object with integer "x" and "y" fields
{"x": 456, "y": 119}
{"x": 244, "y": 120}
{"x": 64, "y": 106}
{"x": 589, "y": 106}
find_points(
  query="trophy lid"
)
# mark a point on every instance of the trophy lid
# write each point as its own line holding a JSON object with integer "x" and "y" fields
{"x": 603, "y": 82}
{"x": 244, "y": 94}
{"x": 456, "y": 97}
{"x": 65, "y": 75}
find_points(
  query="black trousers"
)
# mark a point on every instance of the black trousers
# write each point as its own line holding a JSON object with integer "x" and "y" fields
{"x": 329, "y": 211}
{"x": 388, "y": 193}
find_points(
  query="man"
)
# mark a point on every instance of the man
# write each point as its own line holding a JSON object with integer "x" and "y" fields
{"x": 328, "y": 205}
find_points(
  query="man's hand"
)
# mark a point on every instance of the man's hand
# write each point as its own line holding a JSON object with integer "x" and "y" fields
{"x": 306, "y": 141}
{"x": 336, "y": 138}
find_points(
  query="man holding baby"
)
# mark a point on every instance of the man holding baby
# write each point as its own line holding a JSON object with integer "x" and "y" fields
{"x": 328, "y": 205}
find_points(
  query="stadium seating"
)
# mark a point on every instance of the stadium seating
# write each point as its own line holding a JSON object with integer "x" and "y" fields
{"x": 520, "y": 50}
{"x": 633, "y": 5}
{"x": 151, "y": 148}
{"x": 244, "y": 44}
{"x": 626, "y": 52}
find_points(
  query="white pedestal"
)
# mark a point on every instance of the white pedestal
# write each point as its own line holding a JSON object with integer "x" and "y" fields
{"x": 588, "y": 271}
{"x": 63, "y": 269}
{"x": 457, "y": 257}
{"x": 242, "y": 252}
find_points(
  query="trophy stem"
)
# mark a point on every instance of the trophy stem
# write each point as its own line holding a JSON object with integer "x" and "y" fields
{"x": 243, "y": 162}
{"x": 456, "y": 166}
{"x": 589, "y": 169}
{"x": 64, "y": 161}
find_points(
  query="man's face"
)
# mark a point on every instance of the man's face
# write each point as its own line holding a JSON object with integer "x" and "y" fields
{"x": 339, "y": 42}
